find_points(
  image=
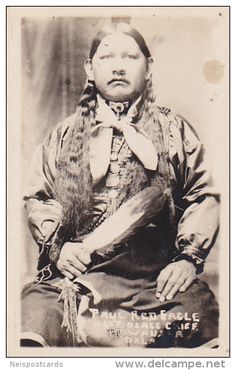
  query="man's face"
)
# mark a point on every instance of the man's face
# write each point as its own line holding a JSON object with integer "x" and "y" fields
{"x": 118, "y": 68}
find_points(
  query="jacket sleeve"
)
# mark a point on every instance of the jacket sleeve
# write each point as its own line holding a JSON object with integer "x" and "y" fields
{"x": 43, "y": 211}
{"x": 198, "y": 226}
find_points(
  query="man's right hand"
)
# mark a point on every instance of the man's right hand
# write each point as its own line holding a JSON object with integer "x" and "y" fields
{"x": 73, "y": 259}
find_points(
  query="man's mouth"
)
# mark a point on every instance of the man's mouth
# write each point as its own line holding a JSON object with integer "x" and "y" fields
{"x": 118, "y": 80}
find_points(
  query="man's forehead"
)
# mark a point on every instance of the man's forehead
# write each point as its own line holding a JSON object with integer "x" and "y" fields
{"x": 118, "y": 41}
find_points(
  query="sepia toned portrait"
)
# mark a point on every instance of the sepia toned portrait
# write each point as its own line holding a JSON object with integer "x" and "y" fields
{"x": 118, "y": 126}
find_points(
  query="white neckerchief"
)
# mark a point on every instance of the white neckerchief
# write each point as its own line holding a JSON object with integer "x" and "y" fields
{"x": 101, "y": 139}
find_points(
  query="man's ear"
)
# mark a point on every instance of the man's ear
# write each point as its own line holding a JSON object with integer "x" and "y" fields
{"x": 89, "y": 69}
{"x": 149, "y": 68}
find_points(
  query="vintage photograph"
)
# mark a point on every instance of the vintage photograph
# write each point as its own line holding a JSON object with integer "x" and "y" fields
{"x": 118, "y": 130}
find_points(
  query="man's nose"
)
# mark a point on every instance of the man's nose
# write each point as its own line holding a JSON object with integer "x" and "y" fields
{"x": 118, "y": 72}
{"x": 118, "y": 66}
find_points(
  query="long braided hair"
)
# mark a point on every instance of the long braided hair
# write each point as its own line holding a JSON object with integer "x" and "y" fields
{"x": 73, "y": 182}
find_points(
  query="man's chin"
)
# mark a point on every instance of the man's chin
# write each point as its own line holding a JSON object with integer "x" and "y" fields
{"x": 120, "y": 97}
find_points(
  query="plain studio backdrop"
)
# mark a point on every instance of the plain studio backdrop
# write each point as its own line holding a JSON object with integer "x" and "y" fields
{"x": 190, "y": 75}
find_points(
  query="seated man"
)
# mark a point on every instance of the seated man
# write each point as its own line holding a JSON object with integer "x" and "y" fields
{"x": 141, "y": 291}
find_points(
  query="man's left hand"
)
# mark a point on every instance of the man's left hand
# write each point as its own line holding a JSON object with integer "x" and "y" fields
{"x": 177, "y": 276}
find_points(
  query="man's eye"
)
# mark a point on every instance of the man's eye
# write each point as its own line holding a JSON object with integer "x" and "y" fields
{"x": 132, "y": 56}
{"x": 105, "y": 56}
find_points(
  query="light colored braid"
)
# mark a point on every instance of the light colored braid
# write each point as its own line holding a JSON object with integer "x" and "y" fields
{"x": 150, "y": 115}
{"x": 88, "y": 99}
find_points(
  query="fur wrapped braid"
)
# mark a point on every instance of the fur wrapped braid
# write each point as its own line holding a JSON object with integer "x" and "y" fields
{"x": 73, "y": 173}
